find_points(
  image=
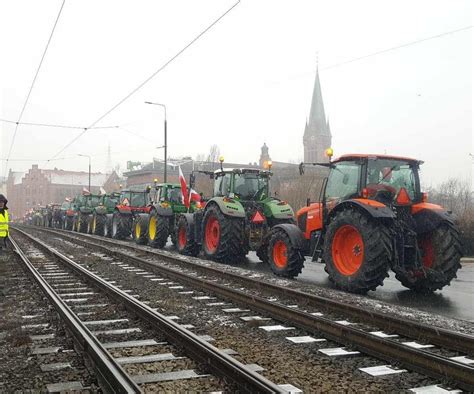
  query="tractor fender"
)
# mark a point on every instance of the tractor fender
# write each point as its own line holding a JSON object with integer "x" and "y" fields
{"x": 228, "y": 206}
{"x": 162, "y": 211}
{"x": 373, "y": 208}
{"x": 124, "y": 210}
{"x": 101, "y": 210}
{"x": 294, "y": 233}
{"x": 428, "y": 219}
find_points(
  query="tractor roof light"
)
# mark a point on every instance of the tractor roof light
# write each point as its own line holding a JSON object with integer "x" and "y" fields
{"x": 155, "y": 180}
{"x": 329, "y": 152}
{"x": 221, "y": 159}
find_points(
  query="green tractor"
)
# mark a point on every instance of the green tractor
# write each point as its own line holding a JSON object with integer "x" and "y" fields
{"x": 83, "y": 206}
{"x": 100, "y": 222}
{"x": 158, "y": 224}
{"x": 240, "y": 217}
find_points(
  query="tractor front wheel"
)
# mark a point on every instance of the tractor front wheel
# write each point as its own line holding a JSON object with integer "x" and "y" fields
{"x": 98, "y": 225}
{"x": 186, "y": 243}
{"x": 441, "y": 253}
{"x": 284, "y": 257}
{"x": 140, "y": 229}
{"x": 120, "y": 225}
{"x": 357, "y": 251}
{"x": 223, "y": 238}
{"x": 158, "y": 230}
{"x": 108, "y": 226}
{"x": 82, "y": 223}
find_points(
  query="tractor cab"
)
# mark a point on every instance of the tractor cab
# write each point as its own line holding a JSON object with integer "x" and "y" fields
{"x": 244, "y": 184}
{"x": 134, "y": 198}
{"x": 389, "y": 180}
{"x": 109, "y": 201}
{"x": 92, "y": 200}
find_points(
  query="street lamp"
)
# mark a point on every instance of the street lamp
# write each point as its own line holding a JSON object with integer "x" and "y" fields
{"x": 166, "y": 138}
{"x": 89, "y": 170}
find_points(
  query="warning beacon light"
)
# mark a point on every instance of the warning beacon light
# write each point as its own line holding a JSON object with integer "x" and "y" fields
{"x": 329, "y": 153}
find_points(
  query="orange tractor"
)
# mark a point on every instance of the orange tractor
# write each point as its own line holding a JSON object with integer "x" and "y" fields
{"x": 373, "y": 217}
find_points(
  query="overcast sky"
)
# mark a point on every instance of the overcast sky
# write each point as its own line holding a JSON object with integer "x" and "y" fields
{"x": 247, "y": 81}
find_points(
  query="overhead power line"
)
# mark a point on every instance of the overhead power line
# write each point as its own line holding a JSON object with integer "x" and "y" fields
{"x": 54, "y": 125}
{"x": 33, "y": 82}
{"x": 136, "y": 89}
{"x": 397, "y": 47}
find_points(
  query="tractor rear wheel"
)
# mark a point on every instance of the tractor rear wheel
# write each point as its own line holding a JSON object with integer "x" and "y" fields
{"x": 140, "y": 229}
{"x": 223, "y": 237}
{"x": 284, "y": 258}
{"x": 120, "y": 225}
{"x": 98, "y": 224}
{"x": 82, "y": 223}
{"x": 108, "y": 226}
{"x": 158, "y": 230}
{"x": 186, "y": 243}
{"x": 441, "y": 253}
{"x": 69, "y": 223}
{"x": 357, "y": 251}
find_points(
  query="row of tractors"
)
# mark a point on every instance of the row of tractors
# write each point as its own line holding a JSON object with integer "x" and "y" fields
{"x": 371, "y": 216}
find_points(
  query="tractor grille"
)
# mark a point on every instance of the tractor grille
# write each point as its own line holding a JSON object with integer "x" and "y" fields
{"x": 302, "y": 221}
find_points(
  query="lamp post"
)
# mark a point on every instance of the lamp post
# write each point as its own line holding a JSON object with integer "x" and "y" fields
{"x": 166, "y": 139}
{"x": 89, "y": 170}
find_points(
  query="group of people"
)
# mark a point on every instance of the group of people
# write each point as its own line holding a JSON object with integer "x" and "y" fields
{"x": 3, "y": 221}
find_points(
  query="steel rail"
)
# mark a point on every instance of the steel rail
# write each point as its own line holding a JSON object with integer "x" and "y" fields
{"x": 217, "y": 361}
{"x": 111, "y": 376}
{"x": 442, "y": 337}
{"x": 418, "y": 360}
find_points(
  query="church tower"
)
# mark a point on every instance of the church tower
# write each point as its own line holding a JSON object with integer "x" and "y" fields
{"x": 317, "y": 133}
{"x": 264, "y": 155}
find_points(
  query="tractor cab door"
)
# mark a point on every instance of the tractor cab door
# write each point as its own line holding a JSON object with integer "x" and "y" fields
{"x": 222, "y": 185}
{"x": 343, "y": 183}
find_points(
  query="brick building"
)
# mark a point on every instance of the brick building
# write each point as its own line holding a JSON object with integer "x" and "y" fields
{"x": 39, "y": 187}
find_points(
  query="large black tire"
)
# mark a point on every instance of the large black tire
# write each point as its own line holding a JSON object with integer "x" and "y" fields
{"x": 357, "y": 251}
{"x": 158, "y": 230}
{"x": 285, "y": 258}
{"x": 121, "y": 225}
{"x": 442, "y": 264}
{"x": 186, "y": 244}
{"x": 98, "y": 225}
{"x": 108, "y": 226}
{"x": 82, "y": 223}
{"x": 140, "y": 229}
{"x": 69, "y": 223}
{"x": 223, "y": 236}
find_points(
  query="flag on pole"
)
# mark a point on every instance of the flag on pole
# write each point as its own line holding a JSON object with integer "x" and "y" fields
{"x": 194, "y": 196}
{"x": 102, "y": 191}
{"x": 85, "y": 191}
{"x": 184, "y": 188}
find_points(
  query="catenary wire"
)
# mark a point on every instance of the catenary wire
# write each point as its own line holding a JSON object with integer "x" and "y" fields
{"x": 136, "y": 89}
{"x": 33, "y": 83}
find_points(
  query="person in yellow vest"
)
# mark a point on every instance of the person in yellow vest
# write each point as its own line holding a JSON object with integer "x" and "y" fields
{"x": 3, "y": 221}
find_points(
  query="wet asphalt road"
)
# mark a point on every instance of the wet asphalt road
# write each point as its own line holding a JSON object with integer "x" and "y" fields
{"x": 455, "y": 301}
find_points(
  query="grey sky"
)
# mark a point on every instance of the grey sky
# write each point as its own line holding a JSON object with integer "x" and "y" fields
{"x": 247, "y": 81}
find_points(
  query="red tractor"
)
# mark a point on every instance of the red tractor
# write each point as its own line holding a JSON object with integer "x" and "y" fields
{"x": 131, "y": 203}
{"x": 373, "y": 217}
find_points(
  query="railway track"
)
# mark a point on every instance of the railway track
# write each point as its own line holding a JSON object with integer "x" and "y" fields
{"x": 396, "y": 343}
{"x": 60, "y": 280}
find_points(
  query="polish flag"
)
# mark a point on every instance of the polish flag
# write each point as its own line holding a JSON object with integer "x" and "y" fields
{"x": 194, "y": 196}
{"x": 85, "y": 191}
{"x": 184, "y": 188}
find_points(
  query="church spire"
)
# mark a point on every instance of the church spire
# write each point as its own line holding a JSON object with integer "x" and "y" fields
{"x": 317, "y": 116}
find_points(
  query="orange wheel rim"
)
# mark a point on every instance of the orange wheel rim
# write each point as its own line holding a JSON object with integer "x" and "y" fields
{"x": 280, "y": 254}
{"x": 347, "y": 250}
{"x": 213, "y": 234}
{"x": 182, "y": 237}
{"x": 427, "y": 251}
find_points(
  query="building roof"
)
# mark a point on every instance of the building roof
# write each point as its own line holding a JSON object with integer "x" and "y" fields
{"x": 317, "y": 122}
{"x": 75, "y": 178}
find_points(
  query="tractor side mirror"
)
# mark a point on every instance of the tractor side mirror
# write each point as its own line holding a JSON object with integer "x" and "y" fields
{"x": 301, "y": 168}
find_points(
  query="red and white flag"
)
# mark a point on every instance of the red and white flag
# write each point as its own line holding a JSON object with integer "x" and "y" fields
{"x": 85, "y": 191}
{"x": 184, "y": 188}
{"x": 194, "y": 196}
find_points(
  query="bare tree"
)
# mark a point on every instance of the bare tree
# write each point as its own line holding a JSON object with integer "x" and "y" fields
{"x": 214, "y": 153}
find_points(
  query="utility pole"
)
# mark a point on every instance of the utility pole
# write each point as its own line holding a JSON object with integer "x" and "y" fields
{"x": 165, "y": 173}
{"x": 89, "y": 170}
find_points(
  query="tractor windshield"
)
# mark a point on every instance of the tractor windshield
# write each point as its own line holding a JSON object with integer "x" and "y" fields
{"x": 343, "y": 181}
{"x": 392, "y": 175}
{"x": 175, "y": 195}
{"x": 138, "y": 199}
{"x": 251, "y": 186}
{"x": 93, "y": 201}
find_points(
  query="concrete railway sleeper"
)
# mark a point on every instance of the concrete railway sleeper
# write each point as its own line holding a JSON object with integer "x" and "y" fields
{"x": 429, "y": 363}
{"x": 212, "y": 359}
